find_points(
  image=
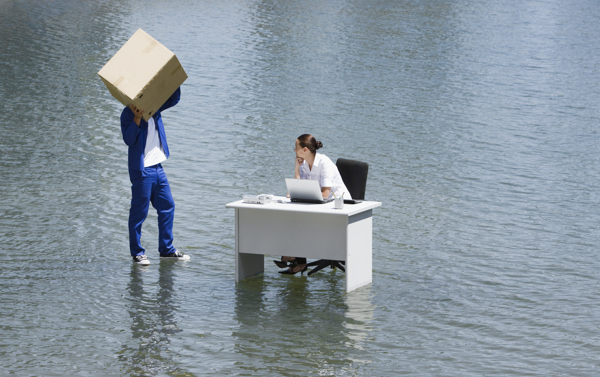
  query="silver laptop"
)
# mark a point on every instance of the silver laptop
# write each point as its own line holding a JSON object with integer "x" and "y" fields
{"x": 305, "y": 191}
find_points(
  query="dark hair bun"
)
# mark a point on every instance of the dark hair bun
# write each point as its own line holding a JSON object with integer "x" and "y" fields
{"x": 318, "y": 145}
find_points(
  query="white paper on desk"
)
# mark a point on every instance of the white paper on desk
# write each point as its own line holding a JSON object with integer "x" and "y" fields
{"x": 281, "y": 199}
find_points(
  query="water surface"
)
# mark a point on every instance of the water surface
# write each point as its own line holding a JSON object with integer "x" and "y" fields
{"x": 479, "y": 122}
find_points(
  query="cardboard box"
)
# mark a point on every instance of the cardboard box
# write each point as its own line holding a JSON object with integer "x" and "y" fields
{"x": 143, "y": 73}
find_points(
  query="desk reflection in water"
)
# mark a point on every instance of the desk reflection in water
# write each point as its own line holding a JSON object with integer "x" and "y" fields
{"x": 302, "y": 326}
{"x": 152, "y": 309}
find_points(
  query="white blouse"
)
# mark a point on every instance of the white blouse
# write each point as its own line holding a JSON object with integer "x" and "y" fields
{"x": 325, "y": 171}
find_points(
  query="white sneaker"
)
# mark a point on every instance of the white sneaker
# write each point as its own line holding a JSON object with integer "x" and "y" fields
{"x": 141, "y": 259}
{"x": 177, "y": 255}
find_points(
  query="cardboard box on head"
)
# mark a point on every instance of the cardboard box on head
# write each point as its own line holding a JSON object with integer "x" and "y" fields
{"x": 143, "y": 73}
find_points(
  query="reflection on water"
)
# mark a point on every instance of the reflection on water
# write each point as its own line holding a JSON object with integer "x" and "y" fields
{"x": 152, "y": 308}
{"x": 360, "y": 315}
{"x": 299, "y": 327}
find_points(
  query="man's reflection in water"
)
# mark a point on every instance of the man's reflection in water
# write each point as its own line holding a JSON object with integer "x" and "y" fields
{"x": 153, "y": 320}
{"x": 302, "y": 325}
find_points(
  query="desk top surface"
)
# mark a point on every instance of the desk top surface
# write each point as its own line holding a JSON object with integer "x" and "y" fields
{"x": 327, "y": 208}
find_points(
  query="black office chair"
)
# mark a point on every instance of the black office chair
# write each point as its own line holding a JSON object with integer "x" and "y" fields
{"x": 354, "y": 174}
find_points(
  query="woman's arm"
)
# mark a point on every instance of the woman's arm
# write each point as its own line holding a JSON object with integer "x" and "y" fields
{"x": 325, "y": 191}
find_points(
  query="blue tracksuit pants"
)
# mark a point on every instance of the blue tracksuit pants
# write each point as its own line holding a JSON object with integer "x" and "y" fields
{"x": 151, "y": 186}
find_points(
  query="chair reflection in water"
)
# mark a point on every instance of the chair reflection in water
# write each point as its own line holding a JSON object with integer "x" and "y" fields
{"x": 354, "y": 174}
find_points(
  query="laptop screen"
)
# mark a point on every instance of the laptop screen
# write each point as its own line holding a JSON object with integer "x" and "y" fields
{"x": 304, "y": 190}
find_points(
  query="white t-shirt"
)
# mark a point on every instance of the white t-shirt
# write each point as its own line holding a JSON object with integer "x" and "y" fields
{"x": 154, "y": 153}
{"x": 325, "y": 171}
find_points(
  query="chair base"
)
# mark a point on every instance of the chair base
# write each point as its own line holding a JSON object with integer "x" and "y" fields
{"x": 322, "y": 263}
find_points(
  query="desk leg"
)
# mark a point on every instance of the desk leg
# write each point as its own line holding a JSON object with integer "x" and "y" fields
{"x": 359, "y": 259}
{"x": 246, "y": 265}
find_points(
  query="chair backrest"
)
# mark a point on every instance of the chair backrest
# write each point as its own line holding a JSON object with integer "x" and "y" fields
{"x": 354, "y": 174}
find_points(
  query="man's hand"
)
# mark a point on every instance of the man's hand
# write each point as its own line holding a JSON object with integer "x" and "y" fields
{"x": 137, "y": 114}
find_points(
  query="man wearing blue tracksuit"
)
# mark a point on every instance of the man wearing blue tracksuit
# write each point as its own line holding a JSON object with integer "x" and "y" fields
{"x": 148, "y": 147}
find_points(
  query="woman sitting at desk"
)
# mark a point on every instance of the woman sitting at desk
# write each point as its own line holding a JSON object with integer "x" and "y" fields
{"x": 313, "y": 165}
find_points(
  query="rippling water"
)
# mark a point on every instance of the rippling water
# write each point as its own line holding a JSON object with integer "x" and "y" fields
{"x": 479, "y": 122}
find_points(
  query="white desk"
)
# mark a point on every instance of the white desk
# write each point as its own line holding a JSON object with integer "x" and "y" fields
{"x": 317, "y": 231}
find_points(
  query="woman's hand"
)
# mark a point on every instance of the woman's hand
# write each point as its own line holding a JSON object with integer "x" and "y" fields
{"x": 299, "y": 161}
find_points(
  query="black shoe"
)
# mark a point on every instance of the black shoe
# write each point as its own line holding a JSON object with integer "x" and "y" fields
{"x": 290, "y": 271}
{"x": 177, "y": 255}
{"x": 282, "y": 264}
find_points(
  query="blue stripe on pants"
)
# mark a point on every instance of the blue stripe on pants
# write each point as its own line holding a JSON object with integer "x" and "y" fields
{"x": 151, "y": 186}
